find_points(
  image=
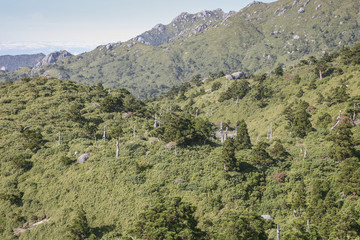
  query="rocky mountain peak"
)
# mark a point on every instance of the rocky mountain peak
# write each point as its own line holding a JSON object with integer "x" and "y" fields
{"x": 53, "y": 57}
{"x": 186, "y": 24}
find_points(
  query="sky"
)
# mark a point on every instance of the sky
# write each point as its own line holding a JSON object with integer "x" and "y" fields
{"x": 33, "y": 26}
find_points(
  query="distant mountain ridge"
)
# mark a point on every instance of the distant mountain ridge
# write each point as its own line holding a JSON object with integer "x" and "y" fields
{"x": 254, "y": 40}
{"x": 185, "y": 25}
{"x": 11, "y": 63}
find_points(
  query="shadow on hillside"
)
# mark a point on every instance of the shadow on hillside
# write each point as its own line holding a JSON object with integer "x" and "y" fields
{"x": 102, "y": 230}
{"x": 247, "y": 167}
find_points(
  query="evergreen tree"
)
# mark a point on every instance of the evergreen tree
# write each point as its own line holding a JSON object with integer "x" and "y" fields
{"x": 242, "y": 139}
{"x": 299, "y": 201}
{"x": 278, "y": 151}
{"x": 343, "y": 143}
{"x": 79, "y": 228}
{"x": 349, "y": 177}
{"x": 228, "y": 155}
{"x": 259, "y": 155}
{"x": 170, "y": 219}
{"x": 301, "y": 124}
{"x": 279, "y": 71}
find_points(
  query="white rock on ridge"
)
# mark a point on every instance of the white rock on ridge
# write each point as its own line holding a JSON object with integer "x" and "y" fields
{"x": 3, "y": 68}
{"x": 229, "y": 77}
{"x": 301, "y": 10}
{"x": 53, "y": 57}
{"x": 238, "y": 75}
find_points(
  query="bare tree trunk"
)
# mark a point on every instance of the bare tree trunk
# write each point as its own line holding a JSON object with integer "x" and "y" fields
{"x": 155, "y": 121}
{"x": 271, "y": 132}
{"x": 104, "y": 135}
{"x": 320, "y": 74}
{"x": 59, "y": 138}
{"x": 117, "y": 147}
{"x": 175, "y": 149}
{"x": 278, "y": 232}
{"x": 134, "y": 131}
{"x": 307, "y": 225}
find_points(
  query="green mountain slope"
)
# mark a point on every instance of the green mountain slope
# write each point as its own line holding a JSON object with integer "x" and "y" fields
{"x": 255, "y": 40}
{"x": 299, "y": 160}
{"x": 14, "y": 62}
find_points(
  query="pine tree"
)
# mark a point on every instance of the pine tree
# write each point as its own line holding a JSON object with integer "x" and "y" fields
{"x": 79, "y": 228}
{"x": 343, "y": 143}
{"x": 170, "y": 219}
{"x": 301, "y": 124}
{"x": 259, "y": 155}
{"x": 242, "y": 139}
{"x": 228, "y": 155}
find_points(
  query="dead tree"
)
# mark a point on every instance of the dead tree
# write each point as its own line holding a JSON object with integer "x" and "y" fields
{"x": 278, "y": 232}
{"x": 197, "y": 112}
{"x": 338, "y": 120}
{"x": 104, "y": 135}
{"x": 207, "y": 114}
{"x": 221, "y": 132}
{"x": 237, "y": 100}
{"x": 226, "y": 130}
{"x": 155, "y": 121}
{"x": 59, "y": 142}
{"x": 134, "y": 131}
{"x": 175, "y": 149}
{"x": 117, "y": 147}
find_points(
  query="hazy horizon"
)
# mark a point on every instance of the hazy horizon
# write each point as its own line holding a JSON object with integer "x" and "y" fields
{"x": 39, "y": 26}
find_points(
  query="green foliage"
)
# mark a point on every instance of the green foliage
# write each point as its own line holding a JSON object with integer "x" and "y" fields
{"x": 339, "y": 94}
{"x": 297, "y": 79}
{"x": 216, "y": 86}
{"x": 239, "y": 88}
{"x": 169, "y": 219}
{"x": 79, "y": 228}
{"x": 242, "y": 139}
{"x": 240, "y": 226}
{"x": 279, "y": 71}
{"x": 259, "y": 155}
{"x": 278, "y": 151}
{"x": 111, "y": 104}
{"x": 74, "y": 112}
{"x": 228, "y": 155}
{"x": 33, "y": 139}
{"x": 301, "y": 125}
{"x": 349, "y": 177}
{"x": 66, "y": 160}
{"x": 343, "y": 142}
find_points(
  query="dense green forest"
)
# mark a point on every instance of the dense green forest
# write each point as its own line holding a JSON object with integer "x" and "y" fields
{"x": 204, "y": 161}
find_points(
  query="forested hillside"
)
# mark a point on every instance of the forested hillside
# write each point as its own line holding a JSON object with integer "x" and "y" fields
{"x": 254, "y": 40}
{"x": 204, "y": 161}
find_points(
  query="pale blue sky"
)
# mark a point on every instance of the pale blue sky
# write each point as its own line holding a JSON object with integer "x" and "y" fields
{"x": 29, "y": 26}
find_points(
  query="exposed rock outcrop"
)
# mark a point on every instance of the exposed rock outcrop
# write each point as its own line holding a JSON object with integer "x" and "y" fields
{"x": 83, "y": 157}
{"x": 53, "y": 57}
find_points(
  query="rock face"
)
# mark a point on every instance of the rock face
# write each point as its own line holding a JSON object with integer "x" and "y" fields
{"x": 185, "y": 24}
{"x": 83, "y": 157}
{"x": 53, "y": 57}
{"x": 238, "y": 75}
